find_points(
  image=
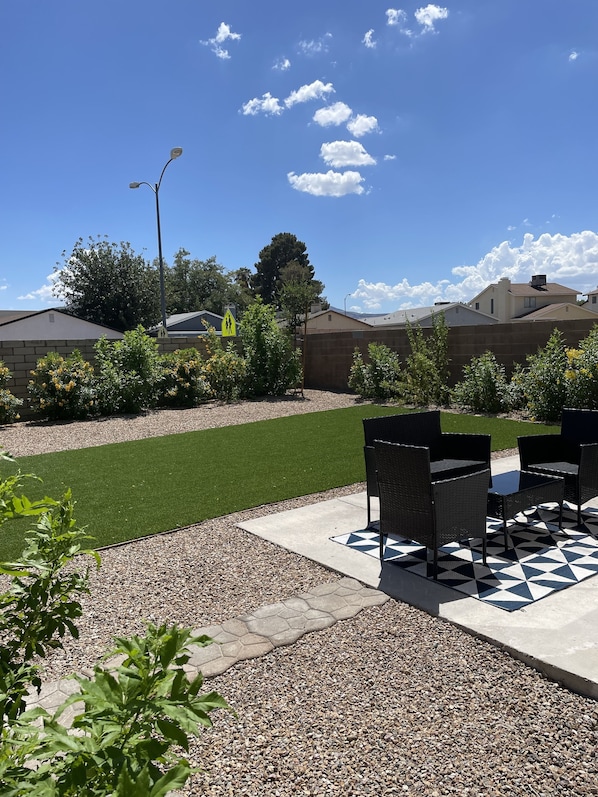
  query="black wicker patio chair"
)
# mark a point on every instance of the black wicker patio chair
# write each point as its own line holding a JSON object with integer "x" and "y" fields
{"x": 572, "y": 454}
{"x": 432, "y": 513}
{"x": 451, "y": 453}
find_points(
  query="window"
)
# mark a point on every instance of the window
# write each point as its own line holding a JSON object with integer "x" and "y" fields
{"x": 529, "y": 301}
{"x": 329, "y": 316}
{"x": 491, "y": 306}
{"x": 477, "y": 305}
{"x": 593, "y": 300}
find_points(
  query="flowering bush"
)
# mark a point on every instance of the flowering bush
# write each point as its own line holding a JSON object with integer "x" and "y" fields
{"x": 62, "y": 387}
{"x": 484, "y": 385}
{"x": 184, "y": 382}
{"x": 581, "y": 373}
{"x": 224, "y": 369}
{"x": 9, "y": 404}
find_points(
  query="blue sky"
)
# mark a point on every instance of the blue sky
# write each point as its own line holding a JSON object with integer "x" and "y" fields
{"x": 419, "y": 151}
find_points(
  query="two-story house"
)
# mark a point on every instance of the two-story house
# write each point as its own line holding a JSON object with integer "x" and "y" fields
{"x": 511, "y": 301}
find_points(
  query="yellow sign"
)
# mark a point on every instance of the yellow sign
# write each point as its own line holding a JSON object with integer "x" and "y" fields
{"x": 229, "y": 325}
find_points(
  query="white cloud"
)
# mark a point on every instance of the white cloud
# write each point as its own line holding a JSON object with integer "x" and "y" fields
{"x": 428, "y": 16}
{"x": 311, "y": 91}
{"x": 282, "y": 64}
{"x": 573, "y": 55}
{"x": 266, "y": 104}
{"x": 368, "y": 39}
{"x": 345, "y": 153}
{"x": 45, "y": 293}
{"x": 224, "y": 33}
{"x": 334, "y": 114}
{"x": 396, "y": 17}
{"x": 569, "y": 260}
{"x": 362, "y": 124}
{"x": 329, "y": 184}
{"x": 315, "y": 46}
{"x": 390, "y": 157}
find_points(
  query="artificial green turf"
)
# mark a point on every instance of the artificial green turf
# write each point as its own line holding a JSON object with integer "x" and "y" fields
{"x": 132, "y": 489}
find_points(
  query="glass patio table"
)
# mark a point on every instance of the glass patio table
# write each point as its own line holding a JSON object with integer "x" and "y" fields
{"x": 518, "y": 490}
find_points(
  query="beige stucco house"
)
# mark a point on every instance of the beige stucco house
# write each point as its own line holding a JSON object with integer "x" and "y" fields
{"x": 334, "y": 321}
{"x": 509, "y": 301}
{"x": 456, "y": 314}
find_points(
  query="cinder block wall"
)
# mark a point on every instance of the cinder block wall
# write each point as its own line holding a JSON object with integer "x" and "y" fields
{"x": 329, "y": 356}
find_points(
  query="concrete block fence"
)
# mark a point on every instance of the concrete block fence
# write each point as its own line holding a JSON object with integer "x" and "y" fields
{"x": 329, "y": 355}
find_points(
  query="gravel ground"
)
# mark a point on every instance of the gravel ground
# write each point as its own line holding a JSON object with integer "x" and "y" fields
{"x": 391, "y": 702}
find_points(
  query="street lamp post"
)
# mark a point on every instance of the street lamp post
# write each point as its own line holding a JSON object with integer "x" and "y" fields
{"x": 345, "y": 302}
{"x": 174, "y": 153}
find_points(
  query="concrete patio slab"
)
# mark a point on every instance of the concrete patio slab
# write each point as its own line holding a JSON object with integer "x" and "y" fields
{"x": 557, "y": 635}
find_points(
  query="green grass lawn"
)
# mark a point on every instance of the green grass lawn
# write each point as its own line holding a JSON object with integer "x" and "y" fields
{"x": 129, "y": 490}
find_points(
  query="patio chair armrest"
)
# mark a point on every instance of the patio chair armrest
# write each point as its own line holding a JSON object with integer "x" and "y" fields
{"x": 371, "y": 477}
{"x": 464, "y": 445}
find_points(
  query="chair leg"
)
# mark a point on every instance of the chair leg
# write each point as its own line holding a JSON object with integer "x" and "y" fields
{"x": 435, "y": 564}
{"x": 381, "y": 547}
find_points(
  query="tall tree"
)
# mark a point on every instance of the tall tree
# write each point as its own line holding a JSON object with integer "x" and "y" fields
{"x": 282, "y": 250}
{"x": 193, "y": 285}
{"x": 298, "y": 292}
{"x": 107, "y": 283}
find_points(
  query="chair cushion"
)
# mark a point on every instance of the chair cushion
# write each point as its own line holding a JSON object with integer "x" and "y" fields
{"x": 570, "y": 468}
{"x": 452, "y": 468}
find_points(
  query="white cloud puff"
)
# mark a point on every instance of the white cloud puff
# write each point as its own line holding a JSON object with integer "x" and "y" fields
{"x": 282, "y": 64}
{"x": 332, "y": 183}
{"x": 368, "y": 39}
{"x": 311, "y": 91}
{"x": 362, "y": 124}
{"x": 315, "y": 46}
{"x": 224, "y": 33}
{"x": 429, "y": 16}
{"x": 570, "y": 260}
{"x": 267, "y": 104}
{"x": 345, "y": 153}
{"x": 335, "y": 114}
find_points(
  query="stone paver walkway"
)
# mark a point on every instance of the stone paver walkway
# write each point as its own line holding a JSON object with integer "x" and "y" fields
{"x": 251, "y": 635}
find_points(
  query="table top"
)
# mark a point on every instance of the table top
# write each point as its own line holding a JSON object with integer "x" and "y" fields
{"x": 516, "y": 481}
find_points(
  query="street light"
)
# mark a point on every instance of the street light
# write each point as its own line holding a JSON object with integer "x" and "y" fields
{"x": 345, "y": 301}
{"x": 174, "y": 153}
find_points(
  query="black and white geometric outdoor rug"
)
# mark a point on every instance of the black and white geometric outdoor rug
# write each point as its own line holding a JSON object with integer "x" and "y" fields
{"x": 540, "y": 560}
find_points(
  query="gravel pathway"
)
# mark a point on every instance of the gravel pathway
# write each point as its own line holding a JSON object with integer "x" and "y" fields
{"x": 391, "y": 702}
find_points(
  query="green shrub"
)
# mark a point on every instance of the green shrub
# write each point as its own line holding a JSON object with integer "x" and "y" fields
{"x": 581, "y": 373}
{"x": 272, "y": 365}
{"x": 484, "y": 385}
{"x": 224, "y": 369}
{"x": 9, "y": 404}
{"x": 184, "y": 382}
{"x": 128, "y": 373}
{"x": 426, "y": 369}
{"x": 379, "y": 378}
{"x": 62, "y": 388}
{"x": 545, "y": 385}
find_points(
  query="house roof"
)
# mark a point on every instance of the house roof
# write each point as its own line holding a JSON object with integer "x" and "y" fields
{"x": 548, "y": 289}
{"x": 544, "y": 313}
{"x": 12, "y": 316}
{"x": 415, "y": 315}
{"x": 338, "y": 313}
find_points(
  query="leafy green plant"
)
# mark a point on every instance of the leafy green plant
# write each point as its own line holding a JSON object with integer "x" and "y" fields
{"x": 62, "y": 388}
{"x": 581, "y": 373}
{"x": 272, "y": 365}
{"x": 131, "y": 714}
{"x": 484, "y": 385}
{"x": 378, "y": 378}
{"x": 426, "y": 368}
{"x": 121, "y": 743}
{"x": 224, "y": 369}
{"x": 543, "y": 380}
{"x": 183, "y": 383}
{"x": 128, "y": 373}
{"x": 9, "y": 404}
